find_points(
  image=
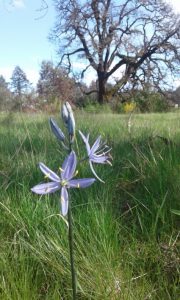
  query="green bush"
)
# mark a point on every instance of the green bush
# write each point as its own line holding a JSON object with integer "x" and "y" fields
{"x": 151, "y": 102}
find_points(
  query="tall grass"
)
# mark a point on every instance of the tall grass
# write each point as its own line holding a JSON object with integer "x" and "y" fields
{"x": 126, "y": 238}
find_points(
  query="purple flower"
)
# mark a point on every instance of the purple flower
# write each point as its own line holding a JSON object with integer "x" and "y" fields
{"x": 98, "y": 153}
{"x": 62, "y": 182}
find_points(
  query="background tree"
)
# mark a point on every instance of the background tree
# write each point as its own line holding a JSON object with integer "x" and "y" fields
{"x": 5, "y": 94}
{"x": 54, "y": 82}
{"x": 174, "y": 96}
{"x": 139, "y": 37}
{"x": 19, "y": 82}
{"x": 3, "y": 83}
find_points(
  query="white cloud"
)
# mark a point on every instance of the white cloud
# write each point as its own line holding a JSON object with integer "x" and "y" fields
{"x": 176, "y": 82}
{"x": 175, "y": 4}
{"x": 78, "y": 65}
{"x": 32, "y": 76}
{"x": 89, "y": 75}
{"x": 6, "y": 73}
{"x": 18, "y": 3}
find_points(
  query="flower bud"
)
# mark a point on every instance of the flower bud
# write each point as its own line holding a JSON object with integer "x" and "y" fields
{"x": 68, "y": 107}
{"x": 71, "y": 120}
{"x": 65, "y": 114}
{"x": 56, "y": 130}
{"x": 68, "y": 118}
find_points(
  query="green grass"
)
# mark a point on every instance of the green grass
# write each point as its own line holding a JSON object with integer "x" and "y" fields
{"x": 126, "y": 236}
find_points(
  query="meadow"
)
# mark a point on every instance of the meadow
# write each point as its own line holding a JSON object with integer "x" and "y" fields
{"x": 126, "y": 234}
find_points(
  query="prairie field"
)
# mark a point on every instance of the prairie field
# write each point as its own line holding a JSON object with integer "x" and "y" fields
{"x": 125, "y": 230}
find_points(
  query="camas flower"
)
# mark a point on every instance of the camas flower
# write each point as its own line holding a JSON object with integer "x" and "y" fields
{"x": 62, "y": 182}
{"x": 98, "y": 153}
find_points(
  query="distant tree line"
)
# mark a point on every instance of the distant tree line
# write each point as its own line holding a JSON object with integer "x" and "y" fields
{"x": 56, "y": 85}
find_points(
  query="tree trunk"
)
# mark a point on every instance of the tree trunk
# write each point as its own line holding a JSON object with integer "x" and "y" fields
{"x": 101, "y": 87}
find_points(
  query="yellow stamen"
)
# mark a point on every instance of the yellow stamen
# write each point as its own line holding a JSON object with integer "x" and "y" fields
{"x": 109, "y": 163}
{"x": 61, "y": 169}
{"x": 47, "y": 176}
{"x": 78, "y": 185}
{"x": 63, "y": 182}
{"x": 76, "y": 172}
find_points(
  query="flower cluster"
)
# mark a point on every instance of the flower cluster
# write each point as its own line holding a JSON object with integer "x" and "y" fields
{"x": 98, "y": 153}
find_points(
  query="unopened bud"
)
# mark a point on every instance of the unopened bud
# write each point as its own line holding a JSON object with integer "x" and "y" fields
{"x": 68, "y": 118}
{"x": 65, "y": 114}
{"x": 56, "y": 130}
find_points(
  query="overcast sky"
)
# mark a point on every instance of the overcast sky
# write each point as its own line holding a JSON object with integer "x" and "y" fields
{"x": 24, "y": 31}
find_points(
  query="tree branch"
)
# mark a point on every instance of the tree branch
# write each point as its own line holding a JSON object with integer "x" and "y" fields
{"x": 68, "y": 57}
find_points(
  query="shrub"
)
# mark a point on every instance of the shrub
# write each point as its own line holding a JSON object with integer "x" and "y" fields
{"x": 150, "y": 102}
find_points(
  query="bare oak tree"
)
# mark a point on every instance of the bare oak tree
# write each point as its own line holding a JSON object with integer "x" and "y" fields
{"x": 141, "y": 38}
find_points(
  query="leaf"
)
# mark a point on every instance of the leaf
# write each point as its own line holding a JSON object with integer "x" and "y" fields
{"x": 176, "y": 212}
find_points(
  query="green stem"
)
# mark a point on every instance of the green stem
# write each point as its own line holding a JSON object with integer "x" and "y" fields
{"x": 73, "y": 273}
{"x": 83, "y": 159}
{"x": 71, "y": 244}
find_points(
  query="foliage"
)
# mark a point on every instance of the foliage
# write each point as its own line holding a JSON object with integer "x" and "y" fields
{"x": 150, "y": 102}
{"x": 175, "y": 96}
{"x": 5, "y": 95}
{"x": 134, "y": 101}
{"x": 128, "y": 228}
{"x": 54, "y": 83}
{"x": 19, "y": 82}
{"x": 90, "y": 105}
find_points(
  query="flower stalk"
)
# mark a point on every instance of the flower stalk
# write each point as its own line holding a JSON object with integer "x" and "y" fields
{"x": 71, "y": 253}
{"x": 63, "y": 182}
{"x": 71, "y": 243}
